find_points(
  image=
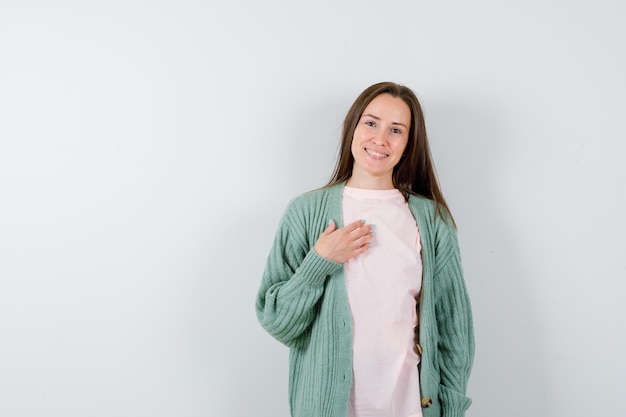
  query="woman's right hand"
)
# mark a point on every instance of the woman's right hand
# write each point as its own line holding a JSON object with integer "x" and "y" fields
{"x": 341, "y": 245}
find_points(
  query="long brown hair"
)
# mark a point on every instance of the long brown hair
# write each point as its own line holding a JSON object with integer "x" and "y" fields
{"x": 415, "y": 172}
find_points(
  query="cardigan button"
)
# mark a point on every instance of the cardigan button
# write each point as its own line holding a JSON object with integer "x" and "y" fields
{"x": 426, "y": 402}
{"x": 419, "y": 349}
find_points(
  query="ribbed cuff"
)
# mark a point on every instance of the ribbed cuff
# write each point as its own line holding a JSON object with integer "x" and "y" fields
{"x": 454, "y": 404}
{"x": 314, "y": 269}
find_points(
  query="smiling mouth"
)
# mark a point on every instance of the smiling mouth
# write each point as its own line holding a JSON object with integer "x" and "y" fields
{"x": 376, "y": 154}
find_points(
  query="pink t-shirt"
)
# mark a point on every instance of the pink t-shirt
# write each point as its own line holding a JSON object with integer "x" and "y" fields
{"x": 383, "y": 285}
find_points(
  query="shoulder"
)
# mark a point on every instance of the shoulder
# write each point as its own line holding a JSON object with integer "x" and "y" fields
{"x": 434, "y": 225}
{"x": 422, "y": 204}
{"x": 315, "y": 200}
{"x": 310, "y": 197}
{"x": 427, "y": 208}
{"x": 307, "y": 209}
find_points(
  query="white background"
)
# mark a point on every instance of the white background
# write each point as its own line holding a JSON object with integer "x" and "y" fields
{"x": 148, "y": 150}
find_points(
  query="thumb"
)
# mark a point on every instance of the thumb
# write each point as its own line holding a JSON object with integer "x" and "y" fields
{"x": 330, "y": 228}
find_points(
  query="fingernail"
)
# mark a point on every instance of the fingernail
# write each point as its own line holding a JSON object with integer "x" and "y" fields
{"x": 330, "y": 221}
{"x": 372, "y": 226}
{"x": 363, "y": 221}
{"x": 373, "y": 233}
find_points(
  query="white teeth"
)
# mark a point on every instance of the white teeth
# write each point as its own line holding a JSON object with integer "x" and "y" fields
{"x": 380, "y": 155}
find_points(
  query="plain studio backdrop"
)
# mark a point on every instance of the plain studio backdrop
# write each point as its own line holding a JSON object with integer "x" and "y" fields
{"x": 148, "y": 150}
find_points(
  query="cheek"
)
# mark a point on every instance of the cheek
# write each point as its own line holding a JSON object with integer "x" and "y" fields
{"x": 354, "y": 146}
{"x": 354, "y": 151}
{"x": 403, "y": 145}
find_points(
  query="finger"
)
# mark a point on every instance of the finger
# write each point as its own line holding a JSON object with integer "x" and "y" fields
{"x": 363, "y": 240}
{"x": 354, "y": 226}
{"x": 361, "y": 250}
{"x": 365, "y": 230}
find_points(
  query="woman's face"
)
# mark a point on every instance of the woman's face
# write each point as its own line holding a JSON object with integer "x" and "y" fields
{"x": 379, "y": 139}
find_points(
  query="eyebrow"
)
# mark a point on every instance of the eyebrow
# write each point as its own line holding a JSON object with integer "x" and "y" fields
{"x": 378, "y": 118}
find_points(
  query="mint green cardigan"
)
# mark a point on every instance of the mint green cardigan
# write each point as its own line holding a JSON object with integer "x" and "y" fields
{"x": 302, "y": 302}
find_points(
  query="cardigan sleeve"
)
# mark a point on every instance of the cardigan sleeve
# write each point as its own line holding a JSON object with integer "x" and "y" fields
{"x": 454, "y": 325}
{"x": 293, "y": 280}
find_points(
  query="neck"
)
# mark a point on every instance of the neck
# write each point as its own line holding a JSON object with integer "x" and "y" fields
{"x": 370, "y": 183}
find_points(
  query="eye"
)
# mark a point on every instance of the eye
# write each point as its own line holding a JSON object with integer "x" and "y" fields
{"x": 369, "y": 123}
{"x": 396, "y": 131}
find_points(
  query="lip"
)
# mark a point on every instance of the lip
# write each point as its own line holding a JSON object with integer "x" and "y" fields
{"x": 376, "y": 154}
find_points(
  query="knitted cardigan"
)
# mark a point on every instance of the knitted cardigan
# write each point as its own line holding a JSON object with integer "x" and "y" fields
{"x": 302, "y": 302}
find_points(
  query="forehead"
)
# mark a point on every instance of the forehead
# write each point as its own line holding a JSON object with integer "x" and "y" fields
{"x": 389, "y": 108}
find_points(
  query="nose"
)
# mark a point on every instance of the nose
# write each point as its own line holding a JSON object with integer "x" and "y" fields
{"x": 380, "y": 137}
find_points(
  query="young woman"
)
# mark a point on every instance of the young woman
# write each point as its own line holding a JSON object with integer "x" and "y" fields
{"x": 364, "y": 281}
